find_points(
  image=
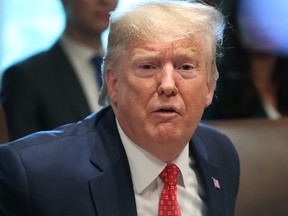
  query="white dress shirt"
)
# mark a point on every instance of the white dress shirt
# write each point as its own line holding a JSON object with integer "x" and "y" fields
{"x": 80, "y": 57}
{"x": 147, "y": 184}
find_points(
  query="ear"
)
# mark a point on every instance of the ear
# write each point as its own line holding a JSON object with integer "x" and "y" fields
{"x": 111, "y": 82}
{"x": 211, "y": 85}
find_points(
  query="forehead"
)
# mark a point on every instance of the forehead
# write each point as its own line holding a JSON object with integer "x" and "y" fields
{"x": 186, "y": 47}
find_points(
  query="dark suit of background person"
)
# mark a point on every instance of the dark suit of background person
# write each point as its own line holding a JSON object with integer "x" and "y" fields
{"x": 45, "y": 91}
{"x": 53, "y": 183}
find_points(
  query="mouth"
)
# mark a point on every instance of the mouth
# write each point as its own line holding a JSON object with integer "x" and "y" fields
{"x": 167, "y": 109}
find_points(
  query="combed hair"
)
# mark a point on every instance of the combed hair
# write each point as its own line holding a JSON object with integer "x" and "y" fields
{"x": 161, "y": 21}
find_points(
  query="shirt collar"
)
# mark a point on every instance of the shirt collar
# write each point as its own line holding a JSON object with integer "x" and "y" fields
{"x": 145, "y": 168}
{"x": 78, "y": 51}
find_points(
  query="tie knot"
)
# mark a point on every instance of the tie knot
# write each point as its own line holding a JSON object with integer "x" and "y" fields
{"x": 169, "y": 174}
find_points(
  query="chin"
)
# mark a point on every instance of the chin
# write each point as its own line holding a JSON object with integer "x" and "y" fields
{"x": 168, "y": 135}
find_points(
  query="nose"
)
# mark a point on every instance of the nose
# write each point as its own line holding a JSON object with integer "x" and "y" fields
{"x": 167, "y": 84}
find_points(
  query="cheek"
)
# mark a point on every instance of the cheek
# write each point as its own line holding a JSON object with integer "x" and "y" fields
{"x": 130, "y": 89}
{"x": 195, "y": 95}
{"x": 135, "y": 93}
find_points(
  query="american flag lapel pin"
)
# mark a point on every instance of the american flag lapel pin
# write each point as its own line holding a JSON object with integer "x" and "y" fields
{"x": 216, "y": 183}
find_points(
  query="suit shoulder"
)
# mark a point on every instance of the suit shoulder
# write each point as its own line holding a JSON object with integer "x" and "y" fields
{"x": 32, "y": 64}
{"x": 84, "y": 131}
{"x": 205, "y": 130}
{"x": 215, "y": 140}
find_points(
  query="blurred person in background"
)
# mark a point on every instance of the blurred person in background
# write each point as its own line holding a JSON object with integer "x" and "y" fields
{"x": 60, "y": 85}
{"x": 254, "y": 69}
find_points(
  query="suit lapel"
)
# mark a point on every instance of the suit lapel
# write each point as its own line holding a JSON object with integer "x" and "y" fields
{"x": 112, "y": 190}
{"x": 66, "y": 78}
{"x": 209, "y": 173}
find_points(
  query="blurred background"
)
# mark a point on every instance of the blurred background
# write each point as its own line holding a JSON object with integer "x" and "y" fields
{"x": 23, "y": 25}
{"x": 23, "y": 28}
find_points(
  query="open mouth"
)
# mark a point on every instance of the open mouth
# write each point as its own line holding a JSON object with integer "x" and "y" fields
{"x": 167, "y": 110}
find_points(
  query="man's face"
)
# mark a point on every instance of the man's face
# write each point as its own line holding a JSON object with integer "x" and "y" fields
{"x": 159, "y": 92}
{"x": 89, "y": 15}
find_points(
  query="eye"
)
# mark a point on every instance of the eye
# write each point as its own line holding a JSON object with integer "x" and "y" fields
{"x": 145, "y": 70}
{"x": 187, "y": 70}
{"x": 186, "y": 67}
{"x": 146, "y": 67}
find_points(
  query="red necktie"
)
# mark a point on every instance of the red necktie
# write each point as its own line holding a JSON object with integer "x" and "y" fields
{"x": 168, "y": 203}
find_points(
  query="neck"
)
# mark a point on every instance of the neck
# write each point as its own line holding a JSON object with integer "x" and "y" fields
{"x": 90, "y": 39}
{"x": 166, "y": 152}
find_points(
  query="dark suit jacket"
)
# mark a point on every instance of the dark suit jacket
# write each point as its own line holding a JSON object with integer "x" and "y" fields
{"x": 81, "y": 169}
{"x": 42, "y": 93}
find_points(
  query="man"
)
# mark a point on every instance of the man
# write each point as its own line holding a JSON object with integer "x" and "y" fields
{"x": 60, "y": 85}
{"x": 159, "y": 75}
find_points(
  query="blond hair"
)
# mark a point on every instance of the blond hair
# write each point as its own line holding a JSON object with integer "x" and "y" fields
{"x": 161, "y": 21}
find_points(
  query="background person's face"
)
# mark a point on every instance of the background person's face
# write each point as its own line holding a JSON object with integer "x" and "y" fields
{"x": 91, "y": 16}
{"x": 159, "y": 92}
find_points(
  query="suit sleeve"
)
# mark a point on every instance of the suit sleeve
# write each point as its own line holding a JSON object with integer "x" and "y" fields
{"x": 14, "y": 192}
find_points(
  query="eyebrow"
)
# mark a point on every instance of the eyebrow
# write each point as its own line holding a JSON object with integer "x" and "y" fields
{"x": 142, "y": 53}
{"x": 144, "y": 56}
